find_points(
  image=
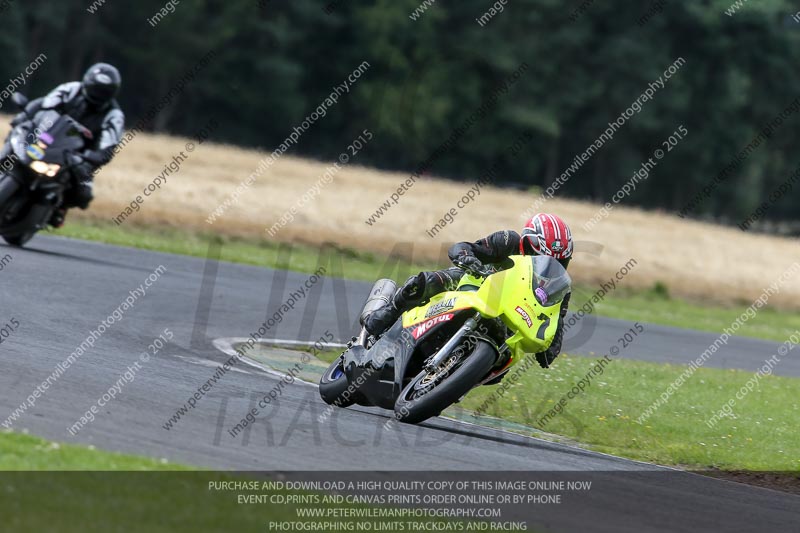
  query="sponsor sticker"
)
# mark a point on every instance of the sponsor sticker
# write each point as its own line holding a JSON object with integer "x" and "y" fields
{"x": 525, "y": 316}
{"x": 34, "y": 152}
{"x": 423, "y": 328}
{"x": 440, "y": 307}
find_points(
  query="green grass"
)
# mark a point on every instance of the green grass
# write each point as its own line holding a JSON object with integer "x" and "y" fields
{"x": 25, "y": 452}
{"x": 116, "y": 492}
{"x": 347, "y": 263}
{"x": 654, "y": 306}
{"x": 762, "y": 437}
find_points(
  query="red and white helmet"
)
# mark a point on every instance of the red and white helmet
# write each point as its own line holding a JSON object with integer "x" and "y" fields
{"x": 546, "y": 234}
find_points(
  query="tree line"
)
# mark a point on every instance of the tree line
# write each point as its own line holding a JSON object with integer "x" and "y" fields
{"x": 275, "y": 61}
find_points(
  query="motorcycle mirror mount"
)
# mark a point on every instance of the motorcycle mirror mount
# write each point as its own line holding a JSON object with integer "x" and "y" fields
{"x": 20, "y": 100}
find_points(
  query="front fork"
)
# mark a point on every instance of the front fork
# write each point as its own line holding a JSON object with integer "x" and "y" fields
{"x": 434, "y": 362}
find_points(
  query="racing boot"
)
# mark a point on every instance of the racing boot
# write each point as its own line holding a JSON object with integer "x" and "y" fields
{"x": 379, "y": 320}
{"x": 57, "y": 218}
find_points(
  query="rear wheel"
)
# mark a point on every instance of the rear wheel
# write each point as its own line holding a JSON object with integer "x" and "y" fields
{"x": 429, "y": 394}
{"x": 333, "y": 387}
{"x": 19, "y": 240}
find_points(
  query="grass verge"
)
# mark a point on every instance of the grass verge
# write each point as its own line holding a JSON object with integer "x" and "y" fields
{"x": 116, "y": 492}
{"x": 761, "y": 436}
{"x": 654, "y": 306}
{"x": 119, "y": 492}
{"x": 26, "y": 453}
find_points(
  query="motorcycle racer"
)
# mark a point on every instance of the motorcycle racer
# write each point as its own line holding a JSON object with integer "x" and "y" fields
{"x": 543, "y": 234}
{"x": 91, "y": 102}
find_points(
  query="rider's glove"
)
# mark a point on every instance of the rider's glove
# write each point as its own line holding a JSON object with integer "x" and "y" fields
{"x": 413, "y": 288}
{"x": 470, "y": 263}
{"x": 19, "y": 119}
{"x": 82, "y": 170}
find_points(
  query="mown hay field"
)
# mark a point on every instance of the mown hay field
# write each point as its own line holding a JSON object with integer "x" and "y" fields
{"x": 698, "y": 261}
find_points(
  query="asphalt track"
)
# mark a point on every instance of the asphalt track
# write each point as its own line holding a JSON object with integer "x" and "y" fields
{"x": 59, "y": 289}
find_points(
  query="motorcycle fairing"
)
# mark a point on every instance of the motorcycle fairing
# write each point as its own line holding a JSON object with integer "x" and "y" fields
{"x": 381, "y": 368}
{"x": 508, "y": 294}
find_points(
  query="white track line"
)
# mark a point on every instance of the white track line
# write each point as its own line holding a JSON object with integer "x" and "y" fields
{"x": 226, "y": 344}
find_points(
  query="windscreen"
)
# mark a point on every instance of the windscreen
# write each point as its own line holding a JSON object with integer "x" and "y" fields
{"x": 551, "y": 283}
{"x": 59, "y": 132}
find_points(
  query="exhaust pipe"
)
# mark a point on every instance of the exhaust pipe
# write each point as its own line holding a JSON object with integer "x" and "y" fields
{"x": 379, "y": 296}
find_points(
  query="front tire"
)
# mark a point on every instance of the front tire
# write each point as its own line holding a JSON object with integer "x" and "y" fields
{"x": 416, "y": 404}
{"x": 19, "y": 240}
{"x": 333, "y": 386}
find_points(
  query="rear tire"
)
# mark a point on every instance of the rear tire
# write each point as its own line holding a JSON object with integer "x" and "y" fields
{"x": 333, "y": 386}
{"x": 412, "y": 408}
{"x": 19, "y": 240}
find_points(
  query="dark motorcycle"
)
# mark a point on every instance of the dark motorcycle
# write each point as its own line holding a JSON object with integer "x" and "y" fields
{"x": 36, "y": 171}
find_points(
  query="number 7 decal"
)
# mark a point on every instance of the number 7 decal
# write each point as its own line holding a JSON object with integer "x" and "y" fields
{"x": 543, "y": 327}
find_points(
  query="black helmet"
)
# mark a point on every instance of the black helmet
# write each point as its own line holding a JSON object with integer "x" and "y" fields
{"x": 101, "y": 83}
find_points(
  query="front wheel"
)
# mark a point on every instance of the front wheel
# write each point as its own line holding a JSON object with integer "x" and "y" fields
{"x": 333, "y": 386}
{"x": 19, "y": 240}
{"x": 429, "y": 394}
